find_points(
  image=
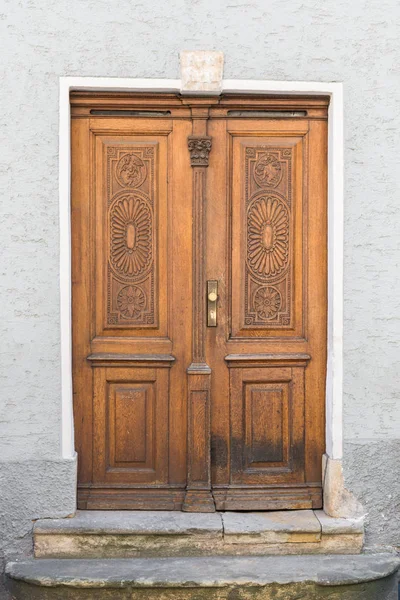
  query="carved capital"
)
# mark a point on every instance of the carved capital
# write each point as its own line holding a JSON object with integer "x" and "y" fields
{"x": 199, "y": 148}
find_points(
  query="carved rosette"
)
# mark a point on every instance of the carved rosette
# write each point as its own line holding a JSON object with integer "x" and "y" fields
{"x": 131, "y": 170}
{"x": 267, "y": 302}
{"x": 131, "y": 236}
{"x": 199, "y": 150}
{"x": 131, "y": 276}
{"x": 268, "y": 278}
{"x": 268, "y": 236}
{"x": 268, "y": 170}
{"x": 131, "y": 301}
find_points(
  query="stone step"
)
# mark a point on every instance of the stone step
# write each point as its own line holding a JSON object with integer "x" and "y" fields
{"x": 360, "y": 577}
{"x": 124, "y": 534}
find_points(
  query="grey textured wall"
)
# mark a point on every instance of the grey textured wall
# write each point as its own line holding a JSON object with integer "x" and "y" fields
{"x": 335, "y": 40}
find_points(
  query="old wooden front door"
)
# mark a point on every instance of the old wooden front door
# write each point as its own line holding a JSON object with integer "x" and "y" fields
{"x": 199, "y": 301}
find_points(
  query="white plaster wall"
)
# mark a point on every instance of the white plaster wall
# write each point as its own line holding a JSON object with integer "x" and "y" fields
{"x": 335, "y": 40}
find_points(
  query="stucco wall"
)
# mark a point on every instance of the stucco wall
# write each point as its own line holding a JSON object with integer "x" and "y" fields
{"x": 336, "y": 40}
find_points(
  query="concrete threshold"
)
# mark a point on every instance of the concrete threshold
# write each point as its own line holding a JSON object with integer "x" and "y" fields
{"x": 123, "y": 534}
{"x": 362, "y": 577}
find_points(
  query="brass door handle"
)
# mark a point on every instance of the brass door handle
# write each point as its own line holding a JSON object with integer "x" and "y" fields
{"x": 212, "y": 297}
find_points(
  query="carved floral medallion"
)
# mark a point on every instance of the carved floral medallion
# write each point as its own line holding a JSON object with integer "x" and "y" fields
{"x": 131, "y": 170}
{"x": 267, "y": 302}
{"x": 268, "y": 171}
{"x": 131, "y": 302}
{"x": 267, "y": 236}
{"x": 131, "y": 235}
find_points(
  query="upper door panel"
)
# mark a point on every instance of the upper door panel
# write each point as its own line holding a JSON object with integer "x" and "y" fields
{"x": 268, "y": 230}
{"x": 131, "y": 235}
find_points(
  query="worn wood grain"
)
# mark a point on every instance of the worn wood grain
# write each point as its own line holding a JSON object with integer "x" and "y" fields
{"x": 168, "y": 194}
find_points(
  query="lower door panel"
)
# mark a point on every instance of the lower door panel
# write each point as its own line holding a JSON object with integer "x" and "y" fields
{"x": 267, "y": 441}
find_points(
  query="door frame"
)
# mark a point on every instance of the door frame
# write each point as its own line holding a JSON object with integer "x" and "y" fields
{"x": 334, "y": 380}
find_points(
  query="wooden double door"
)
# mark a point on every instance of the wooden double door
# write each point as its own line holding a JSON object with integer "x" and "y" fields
{"x": 199, "y": 251}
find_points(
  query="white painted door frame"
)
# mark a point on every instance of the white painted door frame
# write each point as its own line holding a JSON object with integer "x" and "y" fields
{"x": 334, "y": 386}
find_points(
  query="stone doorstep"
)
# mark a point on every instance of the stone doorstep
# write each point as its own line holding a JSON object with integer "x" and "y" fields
{"x": 114, "y": 534}
{"x": 361, "y": 577}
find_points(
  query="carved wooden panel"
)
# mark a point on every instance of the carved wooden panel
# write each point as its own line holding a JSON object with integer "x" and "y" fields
{"x": 268, "y": 236}
{"x": 131, "y": 418}
{"x": 267, "y": 424}
{"x": 267, "y": 197}
{"x": 132, "y": 301}
{"x": 130, "y": 425}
